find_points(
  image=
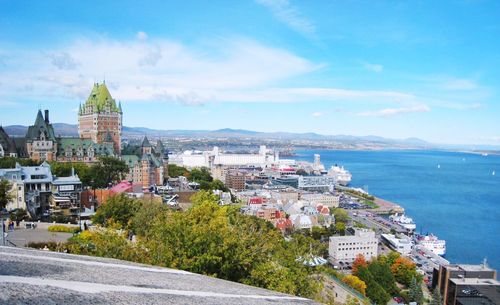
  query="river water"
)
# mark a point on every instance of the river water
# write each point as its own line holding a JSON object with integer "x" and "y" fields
{"x": 453, "y": 195}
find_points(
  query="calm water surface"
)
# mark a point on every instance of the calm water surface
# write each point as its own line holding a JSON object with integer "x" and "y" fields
{"x": 453, "y": 195}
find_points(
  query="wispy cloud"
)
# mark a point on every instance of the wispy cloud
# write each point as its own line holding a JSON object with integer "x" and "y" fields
{"x": 63, "y": 61}
{"x": 459, "y": 84}
{"x": 151, "y": 70}
{"x": 317, "y": 114}
{"x": 290, "y": 15}
{"x": 373, "y": 67}
{"x": 459, "y": 106}
{"x": 389, "y": 112}
{"x": 142, "y": 35}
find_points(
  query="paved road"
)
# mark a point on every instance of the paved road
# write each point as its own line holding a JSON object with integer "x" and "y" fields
{"x": 42, "y": 277}
{"x": 21, "y": 236}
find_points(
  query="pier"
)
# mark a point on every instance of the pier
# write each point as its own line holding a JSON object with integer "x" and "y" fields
{"x": 386, "y": 207}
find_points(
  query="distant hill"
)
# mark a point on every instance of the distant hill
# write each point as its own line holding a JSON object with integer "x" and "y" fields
{"x": 69, "y": 130}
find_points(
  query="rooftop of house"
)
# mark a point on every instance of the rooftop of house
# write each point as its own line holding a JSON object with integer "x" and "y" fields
{"x": 42, "y": 277}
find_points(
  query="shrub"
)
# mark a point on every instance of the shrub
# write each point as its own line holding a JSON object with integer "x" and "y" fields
{"x": 64, "y": 229}
{"x": 51, "y": 245}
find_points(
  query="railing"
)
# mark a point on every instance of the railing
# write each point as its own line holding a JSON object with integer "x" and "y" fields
{"x": 11, "y": 244}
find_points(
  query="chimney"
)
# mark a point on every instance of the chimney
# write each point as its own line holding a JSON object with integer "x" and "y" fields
{"x": 46, "y": 116}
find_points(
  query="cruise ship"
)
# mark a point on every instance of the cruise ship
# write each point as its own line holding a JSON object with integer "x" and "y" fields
{"x": 341, "y": 175}
{"x": 432, "y": 243}
{"x": 402, "y": 220}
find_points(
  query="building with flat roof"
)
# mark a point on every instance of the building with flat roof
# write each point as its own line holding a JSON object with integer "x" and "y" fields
{"x": 467, "y": 284}
{"x": 402, "y": 245}
{"x": 346, "y": 248}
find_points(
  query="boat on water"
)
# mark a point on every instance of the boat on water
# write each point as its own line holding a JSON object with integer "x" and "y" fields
{"x": 493, "y": 173}
{"x": 432, "y": 243}
{"x": 341, "y": 175}
{"x": 484, "y": 154}
{"x": 402, "y": 220}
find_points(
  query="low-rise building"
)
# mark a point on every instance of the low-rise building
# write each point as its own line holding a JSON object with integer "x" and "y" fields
{"x": 325, "y": 199}
{"x": 467, "y": 284}
{"x": 346, "y": 248}
{"x": 402, "y": 245}
{"x": 66, "y": 192}
{"x": 235, "y": 179}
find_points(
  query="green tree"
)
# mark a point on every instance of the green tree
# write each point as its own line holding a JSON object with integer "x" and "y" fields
{"x": 63, "y": 169}
{"x": 10, "y": 162}
{"x": 208, "y": 239}
{"x": 436, "y": 297}
{"x": 382, "y": 274}
{"x": 374, "y": 290}
{"x": 18, "y": 215}
{"x": 119, "y": 210}
{"x": 5, "y": 196}
{"x": 200, "y": 174}
{"x": 108, "y": 171}
{"x": 415, "y": 293}
{"x": 340, "y": 227}
{"x": 176, "y": 171}
{"x": 341, "y": 215}
{"x": 107, "y": 242}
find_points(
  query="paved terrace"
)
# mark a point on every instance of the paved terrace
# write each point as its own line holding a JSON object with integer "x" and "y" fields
{"x": 42, "y": 277}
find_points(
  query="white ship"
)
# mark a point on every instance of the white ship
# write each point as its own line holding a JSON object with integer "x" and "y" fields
{"x": 402, "y": 220}
{"x": 432, "y": 243}
{"x": 341, "y": 175}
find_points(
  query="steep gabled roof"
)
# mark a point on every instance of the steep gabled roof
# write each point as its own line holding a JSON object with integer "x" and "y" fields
{"x": 40, "y": 126}
{"x": 145, "y": 142}
{"x": 160, "y": 149}
{"x": 7, "y": 143}
{"x": 100, "y": 100}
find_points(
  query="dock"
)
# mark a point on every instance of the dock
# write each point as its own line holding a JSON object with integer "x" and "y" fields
{"x": 386, "y": 207}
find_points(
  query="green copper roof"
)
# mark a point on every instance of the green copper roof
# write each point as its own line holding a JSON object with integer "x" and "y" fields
{"x": 70, "y": 144}
{"x": 39, "y": 127}
{"x": 130, "y": 160}
{"x": 100, "y": 100}
{"x": 145, "y": 142}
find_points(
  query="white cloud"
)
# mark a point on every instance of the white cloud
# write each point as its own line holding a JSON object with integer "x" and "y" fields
{"x": 157, "y": 70}
{"x": 63, "y": 61}
{"x": 141, "y": 35}
{"x": 373, "y": 67}
{"x": 389, "y": 112}
{"x": 317, "y": 114}
{"x": 459, "y": 106}
{"x": 153, "y": 70}
{"x": 289, "y": 15}
{"x": 459, "y": 84}
{"x": 307, "y": 94}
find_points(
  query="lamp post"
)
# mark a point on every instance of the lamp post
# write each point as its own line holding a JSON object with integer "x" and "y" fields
{"x": 2, "y": 215}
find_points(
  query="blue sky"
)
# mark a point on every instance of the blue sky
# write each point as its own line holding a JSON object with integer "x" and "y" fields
{"x": 427, "y": 69}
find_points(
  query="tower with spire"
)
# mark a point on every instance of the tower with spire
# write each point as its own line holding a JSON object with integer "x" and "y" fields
{"x": 100, "y": 118}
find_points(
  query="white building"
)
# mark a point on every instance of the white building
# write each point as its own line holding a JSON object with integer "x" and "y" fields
{"x": 326, "y": 183}
{"x": 325, "y": 199}
{"x": 33, "y": 187}
{"x": 401, "y": 245}
{"x": 212, "y": 158}
{"x": 346, "y": 248}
